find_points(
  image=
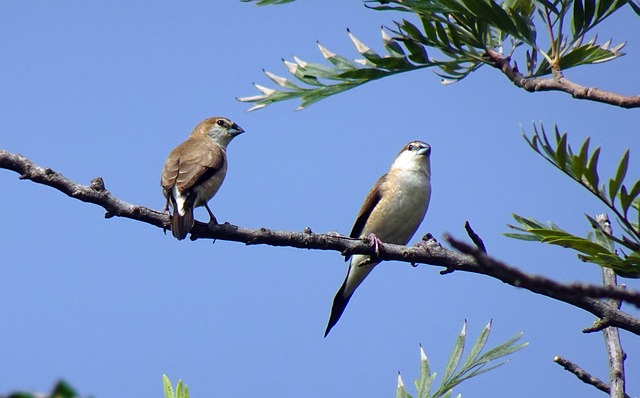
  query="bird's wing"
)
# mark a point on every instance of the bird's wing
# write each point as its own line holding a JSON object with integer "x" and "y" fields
{"x": 373, "y": 198}
{"x": 199, "y": 162}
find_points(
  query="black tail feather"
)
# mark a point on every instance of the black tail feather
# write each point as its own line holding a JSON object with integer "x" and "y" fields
{"x": 181, "y": 225}
{"x": 339, "y": 304}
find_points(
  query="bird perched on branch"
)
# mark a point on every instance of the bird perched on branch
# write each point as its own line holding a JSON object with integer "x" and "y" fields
{"x": 195, "y": 170}
{"x": 391, "y": 213}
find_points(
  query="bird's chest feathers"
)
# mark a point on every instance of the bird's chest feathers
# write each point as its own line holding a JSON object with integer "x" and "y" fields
{"x": 404, "y": 202}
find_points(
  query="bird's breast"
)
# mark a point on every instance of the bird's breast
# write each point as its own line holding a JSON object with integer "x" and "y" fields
{"x": 404, "y": 202}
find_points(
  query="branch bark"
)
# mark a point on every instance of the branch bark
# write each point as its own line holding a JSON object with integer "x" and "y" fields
{"x": 611, "y": 335}
{"x": 559, "y": 83}
{"x": 428, "y": 251}
{"x": 585, "y": 376}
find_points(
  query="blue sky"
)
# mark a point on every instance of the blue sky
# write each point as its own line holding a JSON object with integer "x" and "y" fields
{"x": 97, "y": 89}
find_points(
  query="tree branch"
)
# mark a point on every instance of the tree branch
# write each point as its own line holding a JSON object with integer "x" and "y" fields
{"x": 428, "y": 251}
{"x": 611, "y": 335}
{"x": 541, "y": 285}
{"x": 559, "y": 83}
{"x": 584, "y": 376}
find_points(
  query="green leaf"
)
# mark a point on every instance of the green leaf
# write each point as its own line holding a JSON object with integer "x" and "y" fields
{"x": 456, "y": 354}
{"x": 592, "y": 171}
{"x": 503, "y": 349}
{"x": 393, "y": 48}
{"x": 627, "y": 199}
{"x": 580, "y": 162}
{"x": 62, "y": 389}
{"x": 526, "y": 237}
{"x": 578, "y": 17}
{"x": 614, "y": 184}
{"x": 423, "y": 384}
{"x": 477, "y": 346}
{"x": 589, "y": 10}
{"x": 168, "y": 389}
{"x": 561, "y": 151}
{"x": 400, "y": 390}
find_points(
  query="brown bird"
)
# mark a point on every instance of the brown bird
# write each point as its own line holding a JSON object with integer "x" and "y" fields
{"x": 195, "y": 170}
{"x": 391, "y": 213}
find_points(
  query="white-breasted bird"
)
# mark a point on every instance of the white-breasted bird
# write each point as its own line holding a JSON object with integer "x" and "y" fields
{"x": 391, "y": 213}
{"x": 195, "y": 170}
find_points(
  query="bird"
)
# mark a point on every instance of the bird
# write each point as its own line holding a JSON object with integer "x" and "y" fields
{"x": 195, "y": 170}
{"x": 392, "y": 212}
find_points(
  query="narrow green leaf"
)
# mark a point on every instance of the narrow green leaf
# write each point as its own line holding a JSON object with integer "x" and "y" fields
{"x": 527, "y": 222}
{"x": 423, "y": 384}
{"x": 168, "y": 389}
{"x": 589, "y": 10}
{"x": 413, "y": 32}
{"x": 442, "y": 35}
{"x": 614, "y": 184}
{"x": 531, "y": 238}
{"x": 477, "y": 346}
{"x": 578, "y": 17}
{"x": 561, "y": 152}
{"x": 592, "y": 171}
{"x": 418, "y": 53}
{"x": 62, "y": 389}
{"x": 582, "y": 158}
{"x": 633, "y": 194}
{"x": 429, "y": 30}
{"x": 503, "y": 349}
{"x": 179, "y": 390}
{"x": 400, "y": 390}
{"x": 456, "y": 354}
{"x": 393, "y": 48}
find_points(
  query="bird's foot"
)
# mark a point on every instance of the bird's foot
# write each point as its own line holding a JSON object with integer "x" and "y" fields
{"x": 375, "y": 243}
{"x": 212, "y": 221}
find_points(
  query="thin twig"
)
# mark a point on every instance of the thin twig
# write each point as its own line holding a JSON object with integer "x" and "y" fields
{"x": 583, "y": 375}
{"x": 471, "y": 259}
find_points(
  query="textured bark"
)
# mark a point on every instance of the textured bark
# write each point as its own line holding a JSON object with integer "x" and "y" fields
{"x": 559, "y": 83}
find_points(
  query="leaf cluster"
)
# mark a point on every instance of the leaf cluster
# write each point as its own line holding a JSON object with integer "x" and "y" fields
{"x": 622, "y": 199}
{"x": 181, "y": 391}
{"x": 61, "y": 389}
{"x": 475, "y": 364}
{"x": 454, "y": 37}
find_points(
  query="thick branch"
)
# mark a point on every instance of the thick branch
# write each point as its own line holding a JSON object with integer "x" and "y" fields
{"x": 559, "y": 83}
{"x": 426, "y": 252}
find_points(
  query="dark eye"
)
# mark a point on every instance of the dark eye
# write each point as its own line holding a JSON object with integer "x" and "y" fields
{"x": 411, "y": 146}
{"x": 220, "y": 122}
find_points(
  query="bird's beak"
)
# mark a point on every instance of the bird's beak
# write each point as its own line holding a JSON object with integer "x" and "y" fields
{"x": 236, "y": 130}
{"x": 426, "y": 151}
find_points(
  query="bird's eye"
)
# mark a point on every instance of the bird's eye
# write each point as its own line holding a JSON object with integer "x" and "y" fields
{"x": 220, "y": 122}
{"x": 411, "y": 147}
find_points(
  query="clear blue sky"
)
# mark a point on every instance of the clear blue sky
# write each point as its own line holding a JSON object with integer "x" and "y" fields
{"x": 108, "y": 89}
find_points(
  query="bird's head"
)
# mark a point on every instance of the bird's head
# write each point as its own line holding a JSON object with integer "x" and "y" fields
{"x": 414, "y": 156}
{"x": 220, "y": 129}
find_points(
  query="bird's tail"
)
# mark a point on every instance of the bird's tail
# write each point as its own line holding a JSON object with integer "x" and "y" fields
{"x": 182, "y": 224}
{"x": 340, "y": 302}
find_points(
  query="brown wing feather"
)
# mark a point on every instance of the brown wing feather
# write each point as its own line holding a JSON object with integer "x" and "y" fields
{"x": 201, "y": 158}
{"x": 367, "y": 207}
